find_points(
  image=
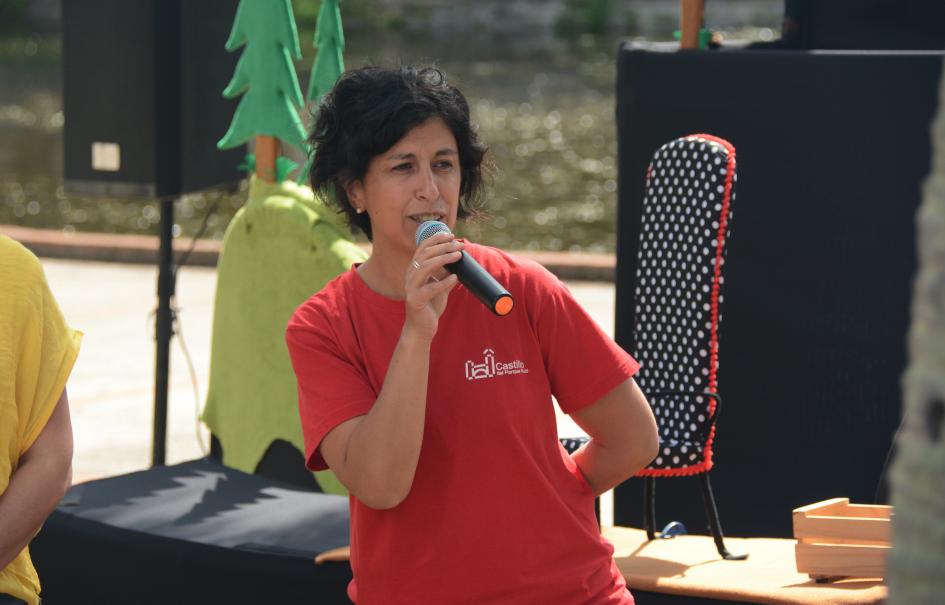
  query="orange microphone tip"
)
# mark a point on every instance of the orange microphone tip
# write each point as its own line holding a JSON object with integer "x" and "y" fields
{"x": 504, "y": 305}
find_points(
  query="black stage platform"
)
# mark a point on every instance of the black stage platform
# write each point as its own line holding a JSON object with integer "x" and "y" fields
{"x": 199, "y": 532}
{"x": 196, "y": 532}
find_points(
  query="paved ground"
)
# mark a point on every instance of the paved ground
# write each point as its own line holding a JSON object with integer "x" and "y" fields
{"x": 111, "y": 389}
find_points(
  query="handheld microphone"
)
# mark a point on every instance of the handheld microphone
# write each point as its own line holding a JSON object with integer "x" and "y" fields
{"x": 471, "y": 274}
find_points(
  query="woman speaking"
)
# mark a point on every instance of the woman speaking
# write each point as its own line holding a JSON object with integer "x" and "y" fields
{"x": 433, "y": 410}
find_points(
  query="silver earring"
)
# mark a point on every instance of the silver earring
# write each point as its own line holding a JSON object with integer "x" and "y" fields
{"x": 359, "y": 210}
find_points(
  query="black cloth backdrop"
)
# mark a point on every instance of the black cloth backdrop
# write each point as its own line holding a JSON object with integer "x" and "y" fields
{"x": 832, "y": 150}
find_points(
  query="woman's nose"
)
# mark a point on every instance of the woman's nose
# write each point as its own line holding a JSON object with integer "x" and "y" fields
{"x": 426, "y": 186}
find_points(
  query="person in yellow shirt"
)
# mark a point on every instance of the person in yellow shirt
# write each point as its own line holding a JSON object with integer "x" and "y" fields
{"x": 37, "y": 352}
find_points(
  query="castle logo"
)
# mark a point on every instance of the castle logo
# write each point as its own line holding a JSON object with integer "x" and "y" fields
{"x": 490, "y": 368}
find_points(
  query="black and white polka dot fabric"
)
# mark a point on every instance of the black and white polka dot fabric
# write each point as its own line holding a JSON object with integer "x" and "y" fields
{"x": 573, "y": 444}
{"x": 687, "y": 209}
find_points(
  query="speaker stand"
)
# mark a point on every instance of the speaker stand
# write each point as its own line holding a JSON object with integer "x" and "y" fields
{"x": 164, "y": 330}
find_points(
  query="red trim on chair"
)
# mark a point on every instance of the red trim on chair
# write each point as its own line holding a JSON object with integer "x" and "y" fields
{"x": 719, "y": 249}
{"x": 695, "y": 469}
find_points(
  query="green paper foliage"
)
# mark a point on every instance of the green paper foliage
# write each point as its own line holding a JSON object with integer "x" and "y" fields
{"x": 329, "y": 62}
{"x": 330, "y": 43}
{"x": 284, "y": 166}
{"x": 265, "y": 75}
{"x": 249, "y": 164}
{"x": 303, "y": 173}
{"x": 705, "y": 37}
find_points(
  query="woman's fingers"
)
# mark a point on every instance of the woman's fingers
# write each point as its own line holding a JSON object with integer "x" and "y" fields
{"x": 427, "y": 293}
{"x": 427, "y": 281}
{"x": 431, "y": 271}
{"x": 437, "y": 246}
{"x": 444, "y": 285}
{"x": 432, "y": 289}
{"x": 432, "y": 254}
{"x": 438, "y": 261}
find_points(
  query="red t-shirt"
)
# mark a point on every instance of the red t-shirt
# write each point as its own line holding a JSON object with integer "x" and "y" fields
{"x": 498, "y": 513}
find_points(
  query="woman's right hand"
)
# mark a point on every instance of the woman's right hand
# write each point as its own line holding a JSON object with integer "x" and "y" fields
{"x": 427, "y": 284}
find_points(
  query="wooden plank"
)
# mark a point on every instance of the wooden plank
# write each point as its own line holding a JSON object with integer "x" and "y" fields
{"x": 824, "y": 507}
{"x": 832, "y": 529}
{"x": 861, "y": 561}
{"x": 691, "y": 18}
{"x": 335, "y": 555}
{"x": 841, "y": 507}
{"x": 872, "y": 511}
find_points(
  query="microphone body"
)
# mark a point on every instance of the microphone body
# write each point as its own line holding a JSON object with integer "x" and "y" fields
{"x": 471, "y": 274}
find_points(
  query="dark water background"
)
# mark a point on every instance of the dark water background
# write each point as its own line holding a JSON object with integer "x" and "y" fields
{"x": 544, "y": 104}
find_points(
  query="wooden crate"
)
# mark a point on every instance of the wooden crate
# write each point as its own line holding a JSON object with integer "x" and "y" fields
{"x": 837, "y": 539}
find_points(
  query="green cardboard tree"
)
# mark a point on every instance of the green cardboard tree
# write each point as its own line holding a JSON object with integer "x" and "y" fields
{"x": 330, "y": 44}
{"x": 329, "y": 60}
{"x": 265, "y": 78}
{"x": 283, "y": 245}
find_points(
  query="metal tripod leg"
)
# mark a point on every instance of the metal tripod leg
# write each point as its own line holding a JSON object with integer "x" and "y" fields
{"x": 713, "y": 514}
{"x": 649, "y": 507}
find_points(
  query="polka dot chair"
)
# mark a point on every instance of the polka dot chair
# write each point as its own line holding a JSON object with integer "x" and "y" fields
{"x": 687, "y": 211}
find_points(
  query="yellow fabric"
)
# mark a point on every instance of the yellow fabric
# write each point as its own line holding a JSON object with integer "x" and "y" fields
{"x": 690, "y": 566}
{"x": 37, "y": 352}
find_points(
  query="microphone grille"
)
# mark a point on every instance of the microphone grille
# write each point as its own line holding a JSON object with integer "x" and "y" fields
{"x": 428, "y": 229}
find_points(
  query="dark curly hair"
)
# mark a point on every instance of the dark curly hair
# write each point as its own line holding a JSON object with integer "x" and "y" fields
{"x": 368, "y": 111}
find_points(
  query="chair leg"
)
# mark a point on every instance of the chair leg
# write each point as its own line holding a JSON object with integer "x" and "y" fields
{"x": 649, "y": 507}
{"x": 713, "y": 514}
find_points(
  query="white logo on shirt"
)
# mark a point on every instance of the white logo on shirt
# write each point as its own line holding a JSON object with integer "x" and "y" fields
{"x": 490, "y": 368}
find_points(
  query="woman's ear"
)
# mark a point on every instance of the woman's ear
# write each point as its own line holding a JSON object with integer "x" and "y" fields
{"x": 355, "y": 192}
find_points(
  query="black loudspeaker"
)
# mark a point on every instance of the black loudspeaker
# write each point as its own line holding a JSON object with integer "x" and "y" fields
{"x": 142, "y": 96}
{"x": 832, "y": 150}
{"x": 865, "y": 24}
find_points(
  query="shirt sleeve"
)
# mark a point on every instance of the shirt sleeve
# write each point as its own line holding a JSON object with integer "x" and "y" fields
{"x": 583, "y": 363}
{"x": 332, "y": 388}
{"x": 48, "y": 350}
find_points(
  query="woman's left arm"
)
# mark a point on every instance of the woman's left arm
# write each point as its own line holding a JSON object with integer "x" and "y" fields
{"x": 623, "y": 436}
